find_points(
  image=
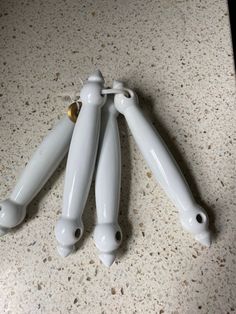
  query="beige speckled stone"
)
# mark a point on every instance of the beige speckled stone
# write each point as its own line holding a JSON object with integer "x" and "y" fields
{"x": 178, "y": 56}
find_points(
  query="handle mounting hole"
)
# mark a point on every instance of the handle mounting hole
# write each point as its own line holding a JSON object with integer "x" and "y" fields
{"x": 118, "y": 236}
{"x": 127, "y": 94}
{"x": 77, "y": 233}
{"x": 199, "y": 218}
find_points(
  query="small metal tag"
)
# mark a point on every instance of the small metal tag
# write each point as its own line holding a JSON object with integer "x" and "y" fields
{"x": 73, "y": 111}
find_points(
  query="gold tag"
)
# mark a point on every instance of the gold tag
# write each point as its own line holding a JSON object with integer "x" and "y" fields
{"x": 73, "y": 111}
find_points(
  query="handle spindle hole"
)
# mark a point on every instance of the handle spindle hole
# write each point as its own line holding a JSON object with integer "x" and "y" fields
{"x": 77, "y": 233}
{"x": 127, "y": 94}
{"x": 199, "y": 218}
{"x": 118, "y": 236}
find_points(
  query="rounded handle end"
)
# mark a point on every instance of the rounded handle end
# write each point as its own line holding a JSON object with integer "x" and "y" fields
{"x": 11, "y": 215}
{"x": 196, "y": 221}
{"x": 68, "y": 232}
{"x": 122, "y": 101}
{"x": 107, "y": 238}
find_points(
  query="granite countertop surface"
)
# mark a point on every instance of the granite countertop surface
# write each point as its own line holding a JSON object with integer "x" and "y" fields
{"x": 178, "y": 56}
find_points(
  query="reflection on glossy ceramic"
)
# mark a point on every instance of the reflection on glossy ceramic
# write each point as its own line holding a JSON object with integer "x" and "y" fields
{"x": 107, "y": 234}
{"x": 38, "y": 170}
{"x": 193, "y": 218}
{"x": 80, "y": 164}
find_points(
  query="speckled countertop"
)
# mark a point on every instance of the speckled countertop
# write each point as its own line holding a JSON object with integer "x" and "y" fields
{"x": 178, "y": 56}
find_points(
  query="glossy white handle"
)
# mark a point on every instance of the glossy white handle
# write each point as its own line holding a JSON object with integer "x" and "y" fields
{"x": 80, "y": 165}
{"x": 163, "y": 166}
{"x": 38, "y": 170}
{"x": 107, "y": 233}
{"x": 167, "y": 173}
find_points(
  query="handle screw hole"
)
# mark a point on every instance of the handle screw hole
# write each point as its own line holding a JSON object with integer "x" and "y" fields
{"x": 199, "y": 218}
{"x": 77, "y": 233}
{"x": 118, "y": 236}
{"x": 127, "y": 94}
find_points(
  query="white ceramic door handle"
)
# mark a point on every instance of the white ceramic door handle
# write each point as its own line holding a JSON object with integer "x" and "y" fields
{"x": 80, "y": 165}
{"x": 39, "y": 169}
{"x": 107, "y": 233}
{"x": 193, "y": 217}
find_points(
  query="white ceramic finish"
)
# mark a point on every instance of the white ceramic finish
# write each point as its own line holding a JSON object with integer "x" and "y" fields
{"x": 80, "y": 165}
{"x": 38, "y": 170}
{"x": 193, "y": 217}
{"x": 107, "y": 233}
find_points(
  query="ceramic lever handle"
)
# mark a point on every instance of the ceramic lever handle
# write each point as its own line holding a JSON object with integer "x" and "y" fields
{"x": 193, "y": 218}
{"x": 38, "y": 170}
{"x": 80, "y": 165}
{"x": 107, "y": 234}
